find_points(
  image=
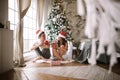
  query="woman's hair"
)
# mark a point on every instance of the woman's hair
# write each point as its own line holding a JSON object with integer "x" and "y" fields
{"x": 64, "y": 41}
{"x": 40, "y": 34}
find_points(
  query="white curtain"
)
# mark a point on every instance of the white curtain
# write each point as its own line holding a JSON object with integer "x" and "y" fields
{"x": 101, "y": 21}
{"x": 40, "y": 10}
{"x": 81, "y": 7}
{"x": 47, "y": 8}
{"x": 23, "y": 6}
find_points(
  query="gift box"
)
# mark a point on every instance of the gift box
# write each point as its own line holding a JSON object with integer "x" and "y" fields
{"x": 55, "y": 63}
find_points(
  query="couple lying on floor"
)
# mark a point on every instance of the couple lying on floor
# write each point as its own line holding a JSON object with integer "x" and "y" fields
{"x": 42, "y": 46}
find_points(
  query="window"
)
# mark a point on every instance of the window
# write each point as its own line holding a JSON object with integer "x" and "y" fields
{"x": 30, "y": 22}
{"x": 13, "y": 14}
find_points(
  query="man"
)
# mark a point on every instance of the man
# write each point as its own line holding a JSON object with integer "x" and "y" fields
{"x": 41, "y": 47}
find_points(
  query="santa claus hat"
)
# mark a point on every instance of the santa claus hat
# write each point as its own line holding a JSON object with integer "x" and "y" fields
{"x": 62, "y": 34}
{"x": 38, "y": 32}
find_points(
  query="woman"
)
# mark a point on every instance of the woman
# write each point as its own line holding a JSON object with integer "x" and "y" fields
{"x": 60, "y": 47}
{"x": 41, "y": 47}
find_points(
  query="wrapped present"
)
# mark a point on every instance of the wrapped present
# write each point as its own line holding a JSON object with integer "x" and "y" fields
{"x": 55, "y": 63}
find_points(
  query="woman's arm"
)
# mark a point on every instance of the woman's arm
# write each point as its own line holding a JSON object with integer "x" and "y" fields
{"x": 63, "y": 49}
{"x": 56, "y": 54}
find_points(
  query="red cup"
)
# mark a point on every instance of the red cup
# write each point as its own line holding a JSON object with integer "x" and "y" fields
{"x": 46, "y": 42}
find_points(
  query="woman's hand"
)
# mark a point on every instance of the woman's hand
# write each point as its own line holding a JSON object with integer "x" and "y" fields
{"x": 54, "y": 45}
{"x": 56, "y": 54}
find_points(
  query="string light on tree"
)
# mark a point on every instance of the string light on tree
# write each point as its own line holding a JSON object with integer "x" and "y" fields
{"x": 57, "y": 21}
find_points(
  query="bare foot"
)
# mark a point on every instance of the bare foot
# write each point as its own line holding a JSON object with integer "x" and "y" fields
{"x": 37, "y": 58}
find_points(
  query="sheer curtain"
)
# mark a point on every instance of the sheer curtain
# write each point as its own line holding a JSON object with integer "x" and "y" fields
{"x": 40, "y": 10}
{"x": 23, "y": 6}
{"x": 47, "y": 8}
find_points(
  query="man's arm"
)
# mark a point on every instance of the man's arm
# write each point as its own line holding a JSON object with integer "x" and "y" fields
{"x": 34, "y": 47}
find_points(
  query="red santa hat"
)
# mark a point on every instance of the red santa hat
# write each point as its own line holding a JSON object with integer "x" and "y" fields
{"x": 38, "y": 32}
{"x": 62, "y": 34}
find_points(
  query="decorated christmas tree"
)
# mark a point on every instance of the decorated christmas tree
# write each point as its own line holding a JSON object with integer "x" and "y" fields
{"x": 57, "y": 21}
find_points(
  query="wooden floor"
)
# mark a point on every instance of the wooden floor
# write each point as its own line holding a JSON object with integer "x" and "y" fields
{"x": 69, "y": 71}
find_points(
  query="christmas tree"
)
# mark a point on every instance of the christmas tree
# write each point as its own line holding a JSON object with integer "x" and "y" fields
{"x": 57, "y": 21}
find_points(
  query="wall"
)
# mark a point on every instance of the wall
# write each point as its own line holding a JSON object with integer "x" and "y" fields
{"x": 77, "y": 23}
{"x": 7, "y": 49}
{"x": 0, "y": 53}
{"x": 3, "y": 18}
{"x": 3, "y": 11}
{"x": 6, "y": 54}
